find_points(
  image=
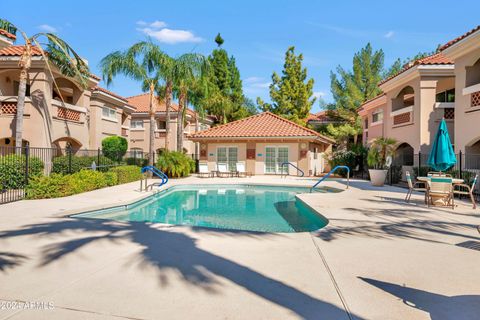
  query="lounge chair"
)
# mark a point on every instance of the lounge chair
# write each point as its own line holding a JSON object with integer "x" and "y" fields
{"x": 203, "y": 170}
{"x": 465, "y": 189}
{"x": 241, "y": 170}
{"x": 414, "y": 186}
{"x": 223, "y": 171}
{"x": 440, "y": 189}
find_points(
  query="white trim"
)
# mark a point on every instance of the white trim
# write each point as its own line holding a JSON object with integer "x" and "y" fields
{"x": 276, "y": 146}
{"x": 444, "y": 105}
{"x": 99, "y": 92}
{"x": 137, "y": 129}
{"x": 110, "y": 119}
{"x": 401, "y": 111}
{"x": 471, "y": 89}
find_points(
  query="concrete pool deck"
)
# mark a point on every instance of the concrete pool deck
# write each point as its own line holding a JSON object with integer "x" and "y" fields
{"x": 378, "y": 258}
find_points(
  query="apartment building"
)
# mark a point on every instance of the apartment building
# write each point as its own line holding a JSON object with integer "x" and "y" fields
{"x": 444, "y": 85}
{"x": 85, "y": 116}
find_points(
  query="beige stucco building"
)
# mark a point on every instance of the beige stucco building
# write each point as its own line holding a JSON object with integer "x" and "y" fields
{"x": 263, "y": 142}
{"x": 85, "y": 116}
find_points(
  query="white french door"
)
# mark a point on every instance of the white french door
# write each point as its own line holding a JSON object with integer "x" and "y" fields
{"x": 228, "y": 155}
{"x": 274, "y": 157}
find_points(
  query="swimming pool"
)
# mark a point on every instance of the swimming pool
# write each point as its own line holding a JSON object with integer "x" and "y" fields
{"x": 238, "y": 207}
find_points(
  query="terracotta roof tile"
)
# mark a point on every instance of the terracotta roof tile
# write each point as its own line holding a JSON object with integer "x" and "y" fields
{"x": 141, "y": 102}
{"x": 265, "y": 124}
{"x": 434, "y": 59}
{"x": 18, "y": 50}
{"x": 7, "y": 34}
{"x": 97, "y": 88}
{"x": 463, "y": 36}
{"x": 374, "y": 102}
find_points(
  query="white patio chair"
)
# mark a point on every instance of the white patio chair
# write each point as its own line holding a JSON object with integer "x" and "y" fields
{"x": 414, "y": 186}
{"x": 465, "y": 189}
{"x": 440, "y": 189}
{"x": 241, "y": 170}
{"x": 203, "y": 170}
{"x": 223, "y": 171}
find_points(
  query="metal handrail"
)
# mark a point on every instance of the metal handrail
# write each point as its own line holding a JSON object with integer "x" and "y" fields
{"x": 156, "y": 172}
{"x": 291, "y": 164}
{"x": 332, "y": 171}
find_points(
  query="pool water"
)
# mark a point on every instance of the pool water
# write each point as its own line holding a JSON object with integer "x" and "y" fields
{"x": 238, "y": 207}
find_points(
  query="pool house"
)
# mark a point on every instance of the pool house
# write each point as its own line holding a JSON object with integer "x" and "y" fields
{"x": 264, "y": 142}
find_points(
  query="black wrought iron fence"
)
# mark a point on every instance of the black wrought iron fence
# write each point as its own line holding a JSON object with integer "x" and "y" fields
{"x": 19, "y": 165}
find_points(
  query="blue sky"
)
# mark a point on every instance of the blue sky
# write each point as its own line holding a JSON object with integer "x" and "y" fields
{"x": 257, "y": 33}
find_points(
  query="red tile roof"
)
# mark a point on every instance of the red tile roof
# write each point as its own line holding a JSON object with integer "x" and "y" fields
{"x": 18, "y": 51}
{"x": 434, "y": 59}
{"x": 141, "y": 102}
{"x": 265, "y": 124}
{"x": 463, "y": 36}
{"x": 7, "y": 34}
{"x": 97, "y": 88}
{"x": 374, "y": 102}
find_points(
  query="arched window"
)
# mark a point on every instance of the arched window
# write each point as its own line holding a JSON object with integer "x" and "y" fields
{"x": 472, "y": 76}
{"x": 404, "y": 99}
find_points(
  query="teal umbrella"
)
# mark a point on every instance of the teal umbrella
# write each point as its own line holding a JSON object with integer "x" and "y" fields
{"x": 442, "y": 155}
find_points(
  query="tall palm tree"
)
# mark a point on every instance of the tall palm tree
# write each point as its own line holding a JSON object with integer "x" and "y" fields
{"x": 190, "y": 69}
{"x": 57, "y": 54}
{"x": 143, "y": 62}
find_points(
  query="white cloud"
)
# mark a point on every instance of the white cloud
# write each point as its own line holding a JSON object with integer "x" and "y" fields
{"x": 171, "y": 36}
{"x": 47, "y": 28}
{"x": 157, "y": 24}
{"x": 389, "y": 34}
{"x": 158, "y": 30}
{"x": 319, "y": 94}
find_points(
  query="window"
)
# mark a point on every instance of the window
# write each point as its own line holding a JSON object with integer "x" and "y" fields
{"x": 365, "y": 124}
{"x": 228, "y": 155}
{"x": 136, "y": 124}
{"x": 446, "y": 96}
{"x": 377, "y": 116}
{"x": 109, "y": 113}
{"x": 136, "y": 153}
{"x": 16, "y": 84}
{"x": 161, "y": 125}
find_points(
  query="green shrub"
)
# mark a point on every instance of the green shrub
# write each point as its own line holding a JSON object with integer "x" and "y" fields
{"x": 126, "y": 174}
{"x": 114, "y": 147}
{"x": 12, "y": 170}
{"x": 342, "y": 158}
{"x": 175, "y": 164}
{"x": 141, "y": 162}
{"x": 111, "y": 178}
{"x": 86, "y": 180}
{"x": 61, "y": 163}
{"x": 42, "y": 187}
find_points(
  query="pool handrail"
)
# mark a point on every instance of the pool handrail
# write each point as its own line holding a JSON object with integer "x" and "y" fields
{"x": 291, "y": 164}
{"x": 156, "y": 172}
{"x": 328, "y": 174}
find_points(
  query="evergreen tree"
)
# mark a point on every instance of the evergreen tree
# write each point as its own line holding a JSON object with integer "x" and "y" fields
{"x": 352, "y": 88}
{"x": 219, "y": 40}
{"x": 291, "y": 93}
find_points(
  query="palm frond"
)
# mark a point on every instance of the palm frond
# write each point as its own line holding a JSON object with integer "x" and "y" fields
{"x": 122, "y": 62}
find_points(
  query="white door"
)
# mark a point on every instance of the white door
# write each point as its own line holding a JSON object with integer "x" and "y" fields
{"x": 316, "y": 162}
{"x": 228, "y": 155}
{"x": 274, "y": 157}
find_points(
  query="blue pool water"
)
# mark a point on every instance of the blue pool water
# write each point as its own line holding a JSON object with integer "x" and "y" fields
{"x": 238, "y": 207}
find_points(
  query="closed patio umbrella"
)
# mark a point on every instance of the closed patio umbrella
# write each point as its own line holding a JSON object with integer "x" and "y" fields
{"x": 442, "y": 155}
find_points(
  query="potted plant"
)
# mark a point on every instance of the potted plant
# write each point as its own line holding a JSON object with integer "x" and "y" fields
{"x": 380, "y": 153}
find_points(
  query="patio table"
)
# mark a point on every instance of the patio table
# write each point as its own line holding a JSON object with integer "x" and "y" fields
{"x": 454, "y": 182}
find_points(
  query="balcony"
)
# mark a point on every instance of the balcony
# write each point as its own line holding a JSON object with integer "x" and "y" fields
{"x": 68, "y": 112}
{"x": 8, "y": 105}
{"x": 475, "y": 99}
{"x": 402, "y": 117}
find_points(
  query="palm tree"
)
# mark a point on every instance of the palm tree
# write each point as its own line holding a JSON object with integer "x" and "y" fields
{"x": 190, "y": 69}
{"x": 55, "y": 51}
{"x": 144, "y": 62}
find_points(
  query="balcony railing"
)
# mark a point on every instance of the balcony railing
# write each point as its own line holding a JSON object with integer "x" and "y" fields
{"x": 8, "y": 107}
{"x": 402, "y": 116}
{"x": 475, "y": 99}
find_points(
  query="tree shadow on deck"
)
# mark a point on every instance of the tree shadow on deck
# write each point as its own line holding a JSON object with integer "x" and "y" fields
{"x": 439, "y": 307}
{"x": 165, "y": 250}
{"x": 10, "y": 260}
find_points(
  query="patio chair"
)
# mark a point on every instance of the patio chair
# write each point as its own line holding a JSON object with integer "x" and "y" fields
{"x": 222, "y": 170}
{"x": 203, "y": 170}
{"x": 241, "y": 170}
{"x": 465, "y": 189}
{"x": 440, "y": 189}
{"x": 414, "y": 186}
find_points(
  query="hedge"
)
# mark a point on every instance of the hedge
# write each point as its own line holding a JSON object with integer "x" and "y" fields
{"x": 12, "y": 170}
{"x": 127, "y": 174}
{"x": 61, "y": 163}
{"x": 58, "y": 185}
